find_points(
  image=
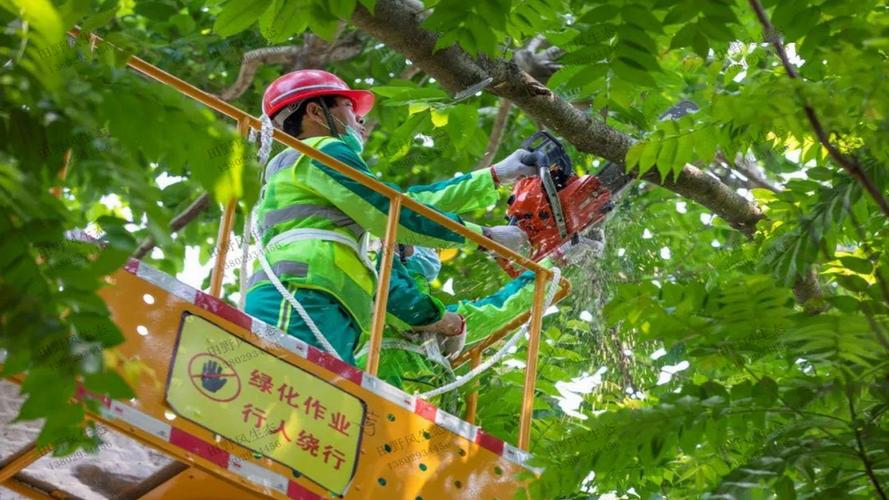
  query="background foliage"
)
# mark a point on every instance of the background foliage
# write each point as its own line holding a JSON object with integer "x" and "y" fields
{"x": 701, "y": 374}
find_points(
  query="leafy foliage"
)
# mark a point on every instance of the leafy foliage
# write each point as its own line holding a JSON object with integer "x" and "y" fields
{"x": 682, "y": 366}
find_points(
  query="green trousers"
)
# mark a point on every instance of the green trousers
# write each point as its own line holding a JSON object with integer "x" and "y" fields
{"x": 265, "y": 303}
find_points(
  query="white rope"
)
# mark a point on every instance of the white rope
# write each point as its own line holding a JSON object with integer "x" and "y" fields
{"x": 265, "y": 139}
{"x": 523, "y": 330}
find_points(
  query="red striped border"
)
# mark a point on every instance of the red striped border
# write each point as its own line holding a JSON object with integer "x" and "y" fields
{"x": 199, "y": 447}
{"x": 493, "y": 444}
{"x": 223, "y": 310}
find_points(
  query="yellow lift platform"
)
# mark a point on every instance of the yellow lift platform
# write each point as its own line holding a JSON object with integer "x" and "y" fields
{"x": 248, "y": 411}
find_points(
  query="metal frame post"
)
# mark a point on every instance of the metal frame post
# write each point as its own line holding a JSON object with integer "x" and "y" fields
{"x": 382, "y": 298}
{"x": 540, "y": 281}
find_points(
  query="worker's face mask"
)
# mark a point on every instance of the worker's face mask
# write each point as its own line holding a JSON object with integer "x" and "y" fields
{"x": 351, "y": 137}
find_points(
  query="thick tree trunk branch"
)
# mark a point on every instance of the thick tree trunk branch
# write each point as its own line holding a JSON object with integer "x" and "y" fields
{"x": 397, "y": 23}
{"x": 695, "y": 184}
{"x": 850, "y": 164}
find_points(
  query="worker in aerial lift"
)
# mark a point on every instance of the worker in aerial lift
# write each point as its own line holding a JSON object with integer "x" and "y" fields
{"x": 314, "y": 221}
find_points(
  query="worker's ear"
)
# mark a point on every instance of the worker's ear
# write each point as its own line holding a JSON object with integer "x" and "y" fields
{"x": 315, "y": 112}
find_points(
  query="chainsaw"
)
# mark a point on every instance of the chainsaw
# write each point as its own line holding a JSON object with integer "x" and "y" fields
{"x": 558, "y": 206}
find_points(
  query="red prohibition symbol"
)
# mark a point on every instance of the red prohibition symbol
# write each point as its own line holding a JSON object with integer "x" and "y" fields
{"x": 214, "y": 377}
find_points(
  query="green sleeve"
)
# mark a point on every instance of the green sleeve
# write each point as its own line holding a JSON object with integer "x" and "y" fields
{"x": 459, "y": 195}
{"x": 487, "y": 315}
{"x": 408, "y": 304}
{"x": 369, "y": 208}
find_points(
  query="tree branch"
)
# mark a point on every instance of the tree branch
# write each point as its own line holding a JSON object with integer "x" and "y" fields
{"x": 497, "y": 131}
{"x": 862, "y": 451}
{"x": 250, "y": 63}
{"x": 178, "y": 222}
{"x": 397, "y": 23}
{"x": 751, "y": 171}
{"x": 850, "y": 164}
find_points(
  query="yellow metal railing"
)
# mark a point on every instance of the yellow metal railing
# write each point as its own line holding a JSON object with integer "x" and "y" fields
{"x": 396, "y": 201}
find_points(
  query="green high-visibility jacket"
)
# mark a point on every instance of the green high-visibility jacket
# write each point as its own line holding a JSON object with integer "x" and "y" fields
{"x": 313, "y": 220}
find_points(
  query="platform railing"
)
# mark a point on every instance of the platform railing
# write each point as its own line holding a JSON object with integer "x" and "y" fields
{"x": 397, "y": 201}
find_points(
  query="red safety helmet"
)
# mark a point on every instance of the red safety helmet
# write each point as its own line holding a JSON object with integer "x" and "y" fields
{"x": 297, "y": 86}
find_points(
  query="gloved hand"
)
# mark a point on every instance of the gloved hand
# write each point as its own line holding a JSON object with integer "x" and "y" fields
{"x": 449, "y": 332}
{"x": 574, "y": 253}
{"x": 450, "y": 325}
{"x": 509, "y": 236}
{"x": 451, "y": 346}
{"x": 521, "y": 163}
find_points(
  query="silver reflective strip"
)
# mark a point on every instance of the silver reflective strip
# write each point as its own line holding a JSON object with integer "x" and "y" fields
{"x": 307, "y": 88}
{"x": 305, "y": 211}
{"x": 285, "y": 267}
{"x": 299, "y": 212}
{"x": 283, "y": 160}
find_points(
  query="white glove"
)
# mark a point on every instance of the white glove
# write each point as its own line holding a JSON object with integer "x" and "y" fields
{"x": 509, "y": 236}
{"x": 577, "y": 253}
{"x": 451, "y": 346}
{"x": 450, "y": 324}
{"x": 449, "y": 332}
{"x": 521, "y": 163}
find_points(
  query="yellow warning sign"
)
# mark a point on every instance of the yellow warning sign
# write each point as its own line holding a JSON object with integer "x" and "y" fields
{"x": 265, "y": 404}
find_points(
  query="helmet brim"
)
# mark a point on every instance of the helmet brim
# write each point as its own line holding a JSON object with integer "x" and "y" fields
{"x": 362, "y": 100}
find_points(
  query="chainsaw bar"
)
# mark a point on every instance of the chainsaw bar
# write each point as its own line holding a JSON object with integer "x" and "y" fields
{"x": 555, "y": 205}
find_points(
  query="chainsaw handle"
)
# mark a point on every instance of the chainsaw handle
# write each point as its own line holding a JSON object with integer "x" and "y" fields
{"x": 533, "y": 159}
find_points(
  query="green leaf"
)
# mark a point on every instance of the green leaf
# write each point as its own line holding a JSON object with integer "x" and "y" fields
{"x": 282, "y": 20}
{"x": 784, "y": 489}
{"x": 684, "y": 150}
{"x": 666, "y": 158}
{"x": 684, "y": 37}
{"x": 633, "y": 155}
{"x": 599, "y": 14}
{"x": 765, "y": 392}
{"x": 588, "y": 74}
{"x": 853, "y": 283}
{"x": 682, "y": 12}
{"x": 705, "y": 144}
{"x": 857, "y": 264}
{"x": 649, "y": 156}
{"x": 47, "y": 389}
{"x": 642, "y": 17}
{"x": 109, "y": 384}
{"x": 98, "y": 20}
{"x": 323, "y": 23}
{"x": 157, "y": 11}
{"x": 714, "y": 30}
{"x": 342, "y": 8}
{"x": 700, "y": 45}
{"x": 238, "y": 15}
{"x": 628, "y": 70}
{"x": 845, "y": 303}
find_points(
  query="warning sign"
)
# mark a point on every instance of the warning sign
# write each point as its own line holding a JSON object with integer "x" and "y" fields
{"x": 265, "y": 404}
